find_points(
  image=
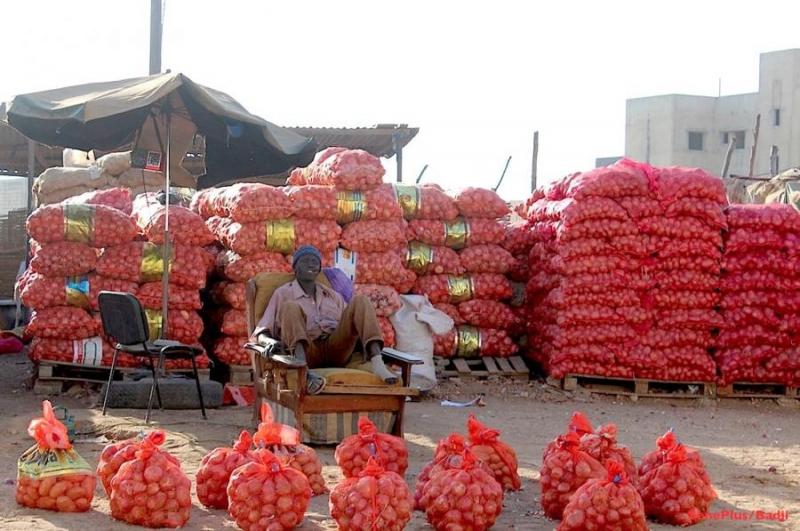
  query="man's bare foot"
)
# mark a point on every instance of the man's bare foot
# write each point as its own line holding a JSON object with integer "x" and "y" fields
{"x": 379, "y": 368}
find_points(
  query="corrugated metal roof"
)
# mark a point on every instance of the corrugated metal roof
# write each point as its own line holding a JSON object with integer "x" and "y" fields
{"x": 382, "y": 140}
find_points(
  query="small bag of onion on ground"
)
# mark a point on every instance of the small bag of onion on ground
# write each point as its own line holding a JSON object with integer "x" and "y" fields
{"x": 602, "y": 445}
{"x": 678, "y": 491}
{"x": 564, "y": 471}
{"x": 264, "y": 495}
{"x": 485, "y": 443}
{"x": 453, "y": 444}
{"x": 464, "y": 495}
{"x": 578, "y": 423}
{"x": 355, "y": 451}
{"x": 284, "y": 442}
{"x": 611, "y": 503}
{"x": 216, "y": 469}
{"x": 375, "y": 500}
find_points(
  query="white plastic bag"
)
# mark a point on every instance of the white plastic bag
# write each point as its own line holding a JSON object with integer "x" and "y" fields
{"x": 415, "y": 323}
{"x": 75, "y": 158}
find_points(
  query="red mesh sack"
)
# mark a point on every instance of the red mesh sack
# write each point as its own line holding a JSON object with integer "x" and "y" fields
{"x": 80, "y": 291}
{"x": 655, "y": 458}
{"x": 94, "y": 225}
{"x": 374, "y": 236}
{"x": 463, "y": 496}
{"x": 281, "y": 236}
{"x": 457, "y": 233}
{"x": 64, "y": 259}
{"x": 229, "y": 294}
{"x": 202, "y": 361}
{"x": 452, "y": 445}
{"x": 619, "y": 180}
{"x": 246, "y": 202}
{"x": 151, "y": 490}
{"x": 675, "y": 182}
{"x": 451, "y": 310}
{"x": 376, "y": 499}
{"x": 216, "y": 469}
{"x": 456, "y": 289}
{"x": 230, "y": 350}
{"x": 353, "y": 453}
{"x": 425, "y": 202}
{"x": 348, "y": 169}
{"x": 234, "y": 323}
{"x": 563, "y": 471}
{"x": 578, "y": 423}
{"x": 425, "y": 259}
{"x": 62, "y": 322}
{"x": 384, "y": 268}
{"x": 149, "y": 295}
{"x": 774, "y": 216}
{"x": 481, "y": 203}
{"x": 517, "y": 238}
{"x": 467, "y": 341}
{"x": 313, "y": 201}
{"x": 488, "y": 314}
{"x": 602, "y": 445}
{"x": 384, "y": 299}
{"x": 205, "y": 202}
{"x": 486, "y": 259}
{"x": 75, "y": 351}
{"x": 387, "y": 331}
{"x": 242, "y": 268}
{"x": 610, "y": 503}
{"x": 370, "y": 205}
{"x": 51, "y": 475}
{"x": 119, "y": 198}
{"x": 501, "y": 459}
{"x": 185, "y": 226}
{"x": 284, "y": 442}
{"x": 678, "y": 492}
{"x": 114, "y": 455}
{"x": 265, "y": 495}
{"x": 185, "y": 326}
{"x": 142, "y": 262}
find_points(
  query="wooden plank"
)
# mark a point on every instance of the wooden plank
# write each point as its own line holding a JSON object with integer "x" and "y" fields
{"x": 337, "y": 403}
{"x": 461, "y": 365}
{"x": 333, "y": 389}
{"x": 638, "y": 387}
{"x": 570, "y": 383}
{"x": 519, "y": 364}
{"x": 756, "y": 390}
{"x": 491, "y": 366}
{"x": 504, "y": 365}
{"x": 48, "y": 387}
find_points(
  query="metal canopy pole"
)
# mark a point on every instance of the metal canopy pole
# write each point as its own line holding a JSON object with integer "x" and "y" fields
{"x": 398, "y": 153}
{"x": 166, "y": 247}
{"x": 156, "y": 30}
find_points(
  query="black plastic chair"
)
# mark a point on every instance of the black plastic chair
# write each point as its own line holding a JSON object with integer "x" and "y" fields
{"x": 124, "y": 320}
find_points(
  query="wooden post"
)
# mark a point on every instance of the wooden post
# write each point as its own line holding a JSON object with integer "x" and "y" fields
{"x": 534, "y": 162}
{"x": 398, "y": 153}
{"x": 419, "y": 177}
{"x": 728, "y": 155}
{"x": 505, "y": 169}
{"x": 755, "y": 143}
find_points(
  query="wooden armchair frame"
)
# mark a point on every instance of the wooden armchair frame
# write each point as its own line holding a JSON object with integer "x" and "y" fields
{"x": 271, "y": 380}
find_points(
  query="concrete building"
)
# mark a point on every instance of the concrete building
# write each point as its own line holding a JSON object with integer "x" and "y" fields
{"x": 694, "y": 131}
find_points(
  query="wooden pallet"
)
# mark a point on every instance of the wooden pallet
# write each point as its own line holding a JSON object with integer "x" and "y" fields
{"x": 757, "y": 390}
{"x": 636, "y": 387}
{"x": 51, "y": 375}
{"x": 513, "y": 367}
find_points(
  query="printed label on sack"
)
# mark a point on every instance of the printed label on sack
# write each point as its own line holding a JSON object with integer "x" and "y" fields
{"x": 460, "y": 289}
{"x": 154, "y": 322}
{"x": 468, "y": 341}
{"x": 346, "y": 261}
{"x": 408, "y": 197}
{"x": 350, "y": 206}
{"x": 38, "y": 463}
{"x": 88, "y": 351}
{"x": 152, "y": 266}
{"x": 456, "y": 233}
{"x": 280, "y": 236}
{"x": 418, "y": 257}
{"x": 76, "y": 291}
{"x": 79, "y": 223}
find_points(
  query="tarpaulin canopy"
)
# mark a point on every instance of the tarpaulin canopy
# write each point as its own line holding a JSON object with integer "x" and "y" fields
{"x": 111, "y": 114}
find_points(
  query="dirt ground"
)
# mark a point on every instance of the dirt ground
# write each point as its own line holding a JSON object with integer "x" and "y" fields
{"x": 752, "y": 449}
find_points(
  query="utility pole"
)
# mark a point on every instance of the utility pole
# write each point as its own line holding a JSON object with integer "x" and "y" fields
{"x": 156, "y": 30}
{"x": 535, "y": 160}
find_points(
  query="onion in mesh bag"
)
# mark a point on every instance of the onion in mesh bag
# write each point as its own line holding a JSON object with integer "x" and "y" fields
{"x": 481, "y": 203}
{"x": 563, "y": 471}
{"x": 374, "y": 236}
{"x": 62, "y": 322}
{"x": 242, "y": 268}
{"x": 185, "y": 226}
{"x": 353, "y": 453}
{"x": 63, "y": 259}
{"x": 246, "y": 202}
{"x": 501, "y": 459}
{"x": 384, "y": 299}
{"x": 456, "y": 289}
{"x": 313, "y": 201}
{"x": 230, "y": 350}
{"x": 602, "y": 445}
{"x": 95, "y": 225}
{"x": 488, "y": 258}
{"x": 346, "y": 169}
{"x": 119, "y": 198}
{"x": 281, "y": 236}
{"x": 457, "y": 233}
{"x": 142, "y": 262}
{"x": 216, "y": 469}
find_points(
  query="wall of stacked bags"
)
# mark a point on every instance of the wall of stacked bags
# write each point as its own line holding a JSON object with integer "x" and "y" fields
{"x": 390, "y": 239}
{"x": 638, "y": 271}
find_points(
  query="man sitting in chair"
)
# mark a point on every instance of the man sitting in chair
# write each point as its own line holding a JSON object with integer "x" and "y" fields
{"x": 316, "y": 325}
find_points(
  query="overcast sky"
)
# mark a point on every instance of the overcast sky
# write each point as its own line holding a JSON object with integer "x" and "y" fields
{"x": 477, "y": 77}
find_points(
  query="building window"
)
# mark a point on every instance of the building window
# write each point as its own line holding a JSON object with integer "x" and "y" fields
{"x": 776, "y": 117}
{"x": 695, "y": 141}
{"x": 738, "y": 135}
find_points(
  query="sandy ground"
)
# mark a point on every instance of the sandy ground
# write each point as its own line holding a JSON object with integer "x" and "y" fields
{"x": 752, "y": 450}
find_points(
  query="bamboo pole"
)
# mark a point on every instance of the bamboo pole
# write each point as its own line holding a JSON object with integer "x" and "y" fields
{"x": 755, "y": 143}
{"x": 535, "y": 161}
{"x": 728, "y": 155}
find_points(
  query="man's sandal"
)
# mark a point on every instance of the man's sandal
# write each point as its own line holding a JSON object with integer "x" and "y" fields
{"x": 314, "y": 383}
